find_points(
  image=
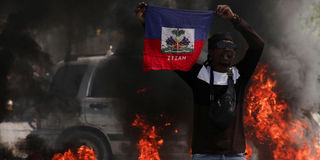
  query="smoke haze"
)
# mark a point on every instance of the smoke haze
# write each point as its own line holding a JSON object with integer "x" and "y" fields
{"x": 42, "y": 33}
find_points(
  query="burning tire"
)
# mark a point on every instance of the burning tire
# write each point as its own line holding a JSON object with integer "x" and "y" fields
{"x": 77, "y": 138}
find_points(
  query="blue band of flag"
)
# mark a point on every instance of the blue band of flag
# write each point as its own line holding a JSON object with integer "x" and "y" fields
{"x": 157, "y": 17}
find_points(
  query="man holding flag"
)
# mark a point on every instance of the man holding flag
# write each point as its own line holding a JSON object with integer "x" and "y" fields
{"x": 218, "y": 86}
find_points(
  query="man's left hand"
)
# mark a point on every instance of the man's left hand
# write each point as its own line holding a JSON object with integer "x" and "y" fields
{"x": 224, "y": 11}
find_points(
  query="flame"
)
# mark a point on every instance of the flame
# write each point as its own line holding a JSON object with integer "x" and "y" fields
{"x": 268, "y": 121}
{"x": 248, "y": 151}
{"x": 150, "y": 142}
{"x": 83, "y": 153}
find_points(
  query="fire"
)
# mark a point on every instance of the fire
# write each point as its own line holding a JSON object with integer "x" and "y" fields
{"x": 248, "y": 151}
{"x": 150, "y": 142}
{"x": 83, "y": 153}
{"x": 269, "y": 122}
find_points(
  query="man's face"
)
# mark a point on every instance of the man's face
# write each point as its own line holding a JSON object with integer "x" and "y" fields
{"x": 222, "y": 54}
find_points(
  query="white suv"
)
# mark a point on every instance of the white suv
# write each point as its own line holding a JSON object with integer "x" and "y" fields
{"x": 98, "y": 94}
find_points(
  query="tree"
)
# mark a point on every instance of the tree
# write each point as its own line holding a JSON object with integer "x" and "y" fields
{"x": 313, "y": 19}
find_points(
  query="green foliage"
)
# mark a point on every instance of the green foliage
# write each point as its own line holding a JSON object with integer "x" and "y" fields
{"x": 315, "y": 14}
{"x": 178, "y": 32}
{"x": 312, "y": 21}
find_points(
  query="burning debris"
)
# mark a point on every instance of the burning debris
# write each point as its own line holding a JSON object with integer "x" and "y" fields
{"x": 150, "y": 140}
{"x": 35, "y": 148}
{"x": 248, "y": 151}
{"x": 271, "y": 125}
{"x": 83, "y": 153}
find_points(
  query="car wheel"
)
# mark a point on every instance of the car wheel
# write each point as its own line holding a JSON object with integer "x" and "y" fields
{"x": 76, "y": 139}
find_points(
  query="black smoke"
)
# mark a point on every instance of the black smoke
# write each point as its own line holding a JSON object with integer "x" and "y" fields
{"x": 24, "y": 63}
{"x": 36, "y": 34}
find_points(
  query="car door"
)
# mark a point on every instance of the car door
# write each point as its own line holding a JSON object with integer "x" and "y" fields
{"x": 102, "y": 105}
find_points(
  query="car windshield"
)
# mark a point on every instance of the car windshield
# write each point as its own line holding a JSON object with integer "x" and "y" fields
{"x": 67, "y": 80}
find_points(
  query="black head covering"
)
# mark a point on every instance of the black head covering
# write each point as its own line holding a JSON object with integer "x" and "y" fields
{"x": 212, "y": 41}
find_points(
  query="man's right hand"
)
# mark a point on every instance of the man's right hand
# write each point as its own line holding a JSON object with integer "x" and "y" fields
{"x": 140, "y": 11}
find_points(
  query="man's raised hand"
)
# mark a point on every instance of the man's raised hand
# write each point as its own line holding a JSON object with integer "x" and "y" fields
{"x": 140, "y": 11}
{"x": 225, "y": 12}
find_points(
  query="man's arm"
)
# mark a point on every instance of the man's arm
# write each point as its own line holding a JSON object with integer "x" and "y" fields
{"x": 255, "y": 43}
{"x": 255, "y": 47}
{"x": 251, "y": 36}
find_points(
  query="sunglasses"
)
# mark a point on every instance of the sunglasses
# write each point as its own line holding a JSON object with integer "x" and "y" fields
{"x": 222, "y": 44}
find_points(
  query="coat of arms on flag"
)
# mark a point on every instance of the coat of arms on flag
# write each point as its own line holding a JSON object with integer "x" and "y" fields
{"x": 177, "y": 40}
{"x": 174, "y": 38}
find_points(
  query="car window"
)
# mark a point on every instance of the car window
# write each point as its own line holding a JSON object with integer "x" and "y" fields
{"x": 67, "y": 80}
{"x": 107, "y": 80}
{"x": 117, "y": 77}
{"x": 123, "y": 78}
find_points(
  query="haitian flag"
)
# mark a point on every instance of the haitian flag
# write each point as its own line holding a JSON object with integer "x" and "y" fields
{"x": 173, "y": 38}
